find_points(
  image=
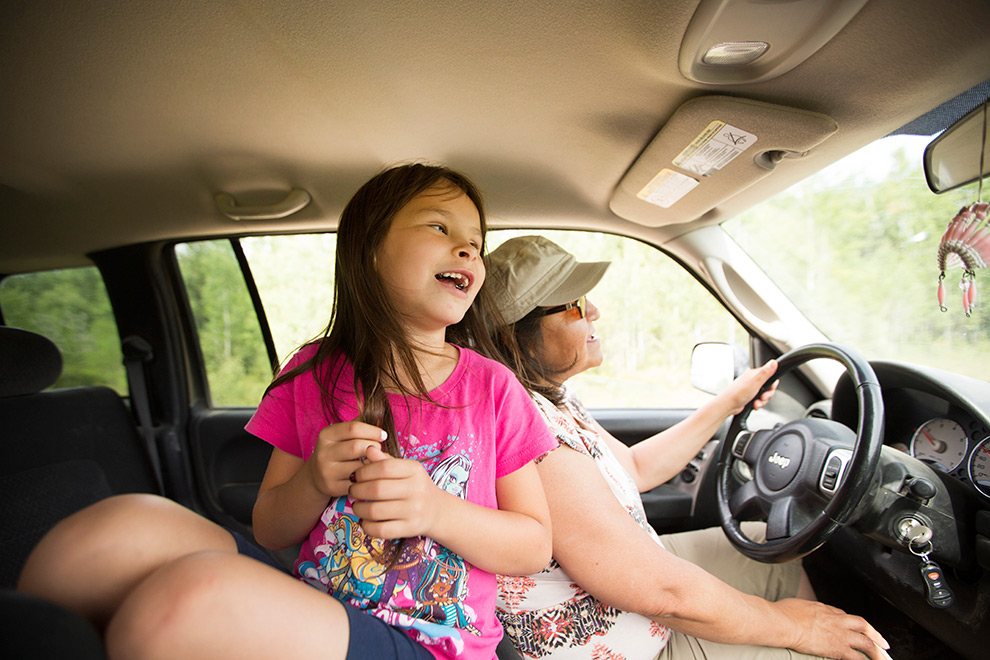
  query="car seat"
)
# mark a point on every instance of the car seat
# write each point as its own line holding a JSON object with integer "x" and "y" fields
{"x": 60, "y": 450}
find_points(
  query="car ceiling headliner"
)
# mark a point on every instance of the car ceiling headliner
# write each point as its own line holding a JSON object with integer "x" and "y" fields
{"x": 121, "y": 120}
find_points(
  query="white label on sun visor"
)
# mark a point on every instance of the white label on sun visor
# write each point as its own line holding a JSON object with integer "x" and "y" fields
{"x": 666, "y": 188}
{"x": 714, "y": 148}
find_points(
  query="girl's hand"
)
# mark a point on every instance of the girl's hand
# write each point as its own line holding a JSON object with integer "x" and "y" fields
{"x": 394, "y": 497}
{"x": 742, "y": 390}
{"x": 339, "y": 451}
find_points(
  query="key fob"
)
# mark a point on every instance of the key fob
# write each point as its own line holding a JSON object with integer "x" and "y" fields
{"x": 938, "y": 593}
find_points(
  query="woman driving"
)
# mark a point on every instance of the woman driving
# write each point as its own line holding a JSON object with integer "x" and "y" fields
{"x": 614, "y": 589}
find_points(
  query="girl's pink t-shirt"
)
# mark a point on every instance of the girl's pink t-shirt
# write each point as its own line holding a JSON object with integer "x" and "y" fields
{"x": 481, "y": 426}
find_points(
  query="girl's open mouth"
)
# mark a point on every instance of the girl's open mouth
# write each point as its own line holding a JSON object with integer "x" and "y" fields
{"x": 460, "y": 280}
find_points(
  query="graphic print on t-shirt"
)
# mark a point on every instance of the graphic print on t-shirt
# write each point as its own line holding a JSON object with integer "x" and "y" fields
{"x": 426, "y": 582}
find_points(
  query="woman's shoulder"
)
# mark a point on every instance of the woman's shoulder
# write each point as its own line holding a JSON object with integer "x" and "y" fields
{"x": 557, "y": 418}
{"x": 567, "y": 424}
{"x": 573, "y": 403}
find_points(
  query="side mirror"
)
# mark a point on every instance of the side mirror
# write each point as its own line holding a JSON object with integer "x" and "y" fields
{"x": 715, "y": 364}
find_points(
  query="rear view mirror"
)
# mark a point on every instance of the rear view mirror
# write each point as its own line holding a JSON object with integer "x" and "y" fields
{"x": 957, "y": 156}
{"x": 716, "y": 364}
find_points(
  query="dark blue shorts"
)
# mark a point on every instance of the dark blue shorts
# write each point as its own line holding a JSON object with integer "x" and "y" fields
{"x": 370, "y": 637}
{"x": 249, "y": 549}
{"x": 373, "y": 638}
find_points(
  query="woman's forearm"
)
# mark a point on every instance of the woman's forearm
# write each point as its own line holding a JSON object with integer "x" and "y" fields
{"x": 604, "y": 551}
{"x": 693, "y": 602}
{"x": 659, "y": 458}
{"x": 709, "y": 609}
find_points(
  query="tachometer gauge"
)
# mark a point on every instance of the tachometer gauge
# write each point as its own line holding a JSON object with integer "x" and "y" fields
{"x": 940, "y": 441}
{"x": 979, "y": 467}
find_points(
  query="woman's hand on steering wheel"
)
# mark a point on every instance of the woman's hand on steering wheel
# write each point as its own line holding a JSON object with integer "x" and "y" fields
{"x": 748, "y": 386}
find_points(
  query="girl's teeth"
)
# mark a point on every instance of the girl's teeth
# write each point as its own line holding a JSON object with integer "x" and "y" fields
{"x": 459, "y": 281}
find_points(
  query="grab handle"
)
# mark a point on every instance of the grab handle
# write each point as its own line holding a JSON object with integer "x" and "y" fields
{"x": 295, "y": 201}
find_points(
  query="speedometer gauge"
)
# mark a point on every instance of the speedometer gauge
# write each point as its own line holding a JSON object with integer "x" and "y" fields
{"x": 940, "y": 441}
{"x": 979, "y": 467}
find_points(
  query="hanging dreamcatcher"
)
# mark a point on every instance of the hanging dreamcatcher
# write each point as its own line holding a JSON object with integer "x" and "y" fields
{"x": 966, "y": 241}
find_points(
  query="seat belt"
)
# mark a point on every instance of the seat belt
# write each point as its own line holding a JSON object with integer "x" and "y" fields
{"x": 137, "y": 352}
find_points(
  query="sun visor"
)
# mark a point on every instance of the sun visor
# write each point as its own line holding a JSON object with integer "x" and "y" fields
{"x": 712, "y": 148}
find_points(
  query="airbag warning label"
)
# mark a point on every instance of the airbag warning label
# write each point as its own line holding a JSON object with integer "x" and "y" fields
{"x": 714, "y": 148}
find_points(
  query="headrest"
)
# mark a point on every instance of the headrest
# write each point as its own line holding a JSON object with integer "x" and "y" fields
{"x": 28, "y": 362}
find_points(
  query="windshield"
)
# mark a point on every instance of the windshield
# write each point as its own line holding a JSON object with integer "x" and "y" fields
{"x": 855, "y": 248}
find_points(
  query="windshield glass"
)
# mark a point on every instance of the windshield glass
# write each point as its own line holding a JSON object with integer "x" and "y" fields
{"x": 855, "y": 248}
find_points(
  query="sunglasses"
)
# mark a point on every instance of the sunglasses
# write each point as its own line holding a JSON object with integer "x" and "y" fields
{"x": 580, "y": 303}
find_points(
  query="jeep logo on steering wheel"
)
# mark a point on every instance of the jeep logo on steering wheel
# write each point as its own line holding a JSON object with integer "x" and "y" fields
{"x": 781, "y": 461}
{"x": 786, "y": 451}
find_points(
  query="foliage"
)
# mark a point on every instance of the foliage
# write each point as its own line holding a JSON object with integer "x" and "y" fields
{"x": 294, "y": 276}
{"x": 647, "y": 329}
{"x": 858, "y": 255}
{"x": 71, "y": 308}
{"x": 652, "y": 314}
{"x": 230, "y": 339}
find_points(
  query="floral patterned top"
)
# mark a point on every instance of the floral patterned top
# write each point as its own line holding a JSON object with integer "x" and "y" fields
{"x": 547, "y": 615}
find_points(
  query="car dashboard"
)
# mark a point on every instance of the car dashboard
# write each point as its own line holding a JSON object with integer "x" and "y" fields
{"x": 940, "y": 418}
{"x": 943, "y": 420}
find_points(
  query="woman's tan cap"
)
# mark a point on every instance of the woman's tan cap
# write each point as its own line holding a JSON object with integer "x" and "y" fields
{"x": 527, "y": 272}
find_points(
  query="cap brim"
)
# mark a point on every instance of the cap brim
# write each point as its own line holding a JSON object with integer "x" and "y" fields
{"x": 581, "y": 280}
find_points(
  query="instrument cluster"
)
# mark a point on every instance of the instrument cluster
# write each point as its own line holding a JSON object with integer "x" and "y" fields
{"x": 949, "y": 447}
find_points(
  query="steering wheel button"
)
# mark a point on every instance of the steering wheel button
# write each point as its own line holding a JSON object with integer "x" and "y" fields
{"x": 831, "y": 475}
{"x": 741, "y": 444}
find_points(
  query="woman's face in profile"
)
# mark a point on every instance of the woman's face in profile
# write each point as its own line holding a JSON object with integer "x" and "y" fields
{"x": 570, "y": 345}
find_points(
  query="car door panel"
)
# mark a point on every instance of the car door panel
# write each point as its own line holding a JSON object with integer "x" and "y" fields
{"x": 675, "y": 505}
{"x": 229, "y": 462}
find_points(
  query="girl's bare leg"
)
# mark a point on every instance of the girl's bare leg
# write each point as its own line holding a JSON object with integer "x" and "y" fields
{"x": 90, "y": 561}
{"x": 214, "y": 606}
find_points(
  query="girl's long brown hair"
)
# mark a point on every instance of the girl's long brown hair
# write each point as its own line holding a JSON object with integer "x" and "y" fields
{"x": 364, "y": 326}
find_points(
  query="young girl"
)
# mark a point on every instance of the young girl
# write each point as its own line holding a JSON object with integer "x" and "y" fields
{"x": 401, "y": 463}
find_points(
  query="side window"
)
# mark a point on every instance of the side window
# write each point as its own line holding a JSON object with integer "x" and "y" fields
{"x": 294, "y": 278}
{"x": 230, "y": 339}
{"x": 653, "y": 312}
{"x": 71, "y": 308}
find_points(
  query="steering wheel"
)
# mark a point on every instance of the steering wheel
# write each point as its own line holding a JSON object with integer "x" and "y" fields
{"x": 808, "y": 475}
